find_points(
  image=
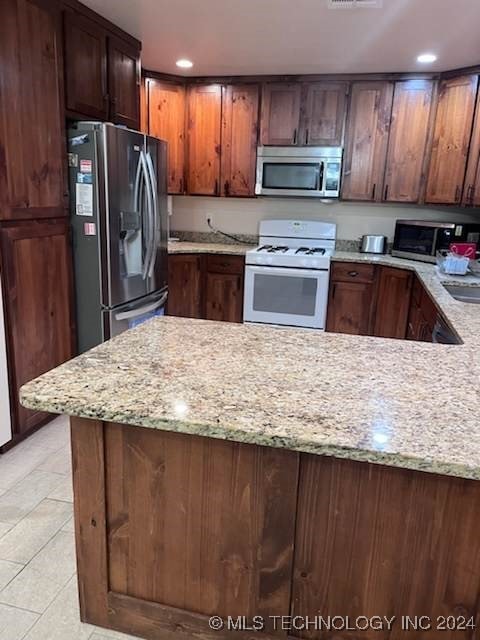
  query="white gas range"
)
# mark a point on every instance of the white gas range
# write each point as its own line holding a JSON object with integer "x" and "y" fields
{"x": 287, "y": 275}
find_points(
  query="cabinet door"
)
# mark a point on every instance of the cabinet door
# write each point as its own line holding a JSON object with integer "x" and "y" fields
{"x": 204, "y": 134}
{"x": 32, "y": 137}
{"x": 281, "y": 113}
{"x": 393, "y": 302}
{"x": 166, "y": 120}
{"x": 239, "y": 139}
{"x": 224, "y": 297}
{"x": 185, "y": 286}
{"x": 37, "y": 277}
{"x": 124, "y": 82}
{"x": 451, "y": 139}
{"x": 407, "y": 142}
{"x": 471, "y": 191}
{"x": 324, "y": 121}
{"x": 85, "y": 67}
{"x": 366, "y": 140}
{"x": 350, "y": 307}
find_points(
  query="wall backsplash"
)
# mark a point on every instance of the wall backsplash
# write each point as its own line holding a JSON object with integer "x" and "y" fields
{"x": 242, "y": 215}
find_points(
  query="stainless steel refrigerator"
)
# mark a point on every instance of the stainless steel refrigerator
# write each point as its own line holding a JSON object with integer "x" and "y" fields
{"x": 118, "y": 188}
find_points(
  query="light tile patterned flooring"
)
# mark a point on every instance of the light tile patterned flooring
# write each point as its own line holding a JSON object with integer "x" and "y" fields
{"x": 38, "y": 586}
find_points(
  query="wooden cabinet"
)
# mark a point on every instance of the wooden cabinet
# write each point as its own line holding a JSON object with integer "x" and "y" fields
{"x": 324, "y": 111}
{"x": 32, "y": 139}
{"x": 102, "y": 72}
{"x": 422, "y": 315}
{"x": 451, "y": 139}
{"x": 409, "y": 127}
{"x": 471, "y": 191}
{"x": 166, "y": 120}
{"x": 185, "y": 286}
{"x": 203, "y": 139}
{"x": 366, "y": 140}
{"x": 239, "y": 139}
{"x": 280, "y": 121}
{"x": 221, "y": 139}
{"x": 224, "y": 288}
{"x": 310, "y": 113}
{"x": 36, "y": 272}
{"x": 351, "y": 298}
{"x": 85, "y": 66}
{"x": 206, "y": 286}
{"x": 124, "y": 82}
{"x": 393, "y": 302}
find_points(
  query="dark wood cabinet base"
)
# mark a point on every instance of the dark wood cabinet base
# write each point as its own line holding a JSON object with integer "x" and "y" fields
{"x": 174, "y": 528}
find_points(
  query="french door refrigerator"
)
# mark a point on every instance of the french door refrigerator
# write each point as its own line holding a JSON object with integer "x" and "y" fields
{"x": 118, "y": 187}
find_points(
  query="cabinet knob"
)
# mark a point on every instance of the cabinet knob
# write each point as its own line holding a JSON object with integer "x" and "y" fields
{"x": 353, "y": 273}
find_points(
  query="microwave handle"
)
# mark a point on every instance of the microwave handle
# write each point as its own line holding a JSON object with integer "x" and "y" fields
{"x": 320, "y": 176}
{"x": 434, "y": 243}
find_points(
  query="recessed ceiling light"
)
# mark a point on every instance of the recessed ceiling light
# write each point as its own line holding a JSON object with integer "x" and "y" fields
{"x": 426, "y": 58}
{"x": 184, "y": 63}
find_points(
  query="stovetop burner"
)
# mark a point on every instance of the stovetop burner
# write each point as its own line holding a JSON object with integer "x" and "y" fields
{"x": 310, "y": 251}
{"x": 273, "y": 248}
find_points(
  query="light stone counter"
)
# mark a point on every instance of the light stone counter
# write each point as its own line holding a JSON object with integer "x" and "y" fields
{"x": 394, "y": 402}
{"x": 209, "y": 247}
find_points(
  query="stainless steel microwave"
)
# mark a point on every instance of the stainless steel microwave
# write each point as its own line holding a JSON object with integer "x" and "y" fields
{"x": 421, "y": 239}
{"x": 299, "y": 171}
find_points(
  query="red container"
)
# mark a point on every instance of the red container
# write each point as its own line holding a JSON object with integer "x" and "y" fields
{"x": 467, "y": 249}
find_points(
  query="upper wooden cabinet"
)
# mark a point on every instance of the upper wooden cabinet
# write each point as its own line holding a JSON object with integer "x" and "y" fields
{"x": 471, "y": 191}
{"x": 239, "y": 139}
{"x": 310, "y": 113}
{"x": 221, "y": 139}
{"x": 204, "y": 123}
{"x": 409, "y": 127}
{"x": 451, "y": 139}
{"x": 124, "y": 82}
{"x": 32, "y": 143}
{"x": 85, "y": 66}
{"x": 280, "y": 123}
{"x": 366, "y": 140}
{"x": 102, "y": 72}
{"x": 324, "y": 113}
{"x": 166, "y": 120}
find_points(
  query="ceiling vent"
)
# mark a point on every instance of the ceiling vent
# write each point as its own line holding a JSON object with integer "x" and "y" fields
{"x": 355, "y": 4}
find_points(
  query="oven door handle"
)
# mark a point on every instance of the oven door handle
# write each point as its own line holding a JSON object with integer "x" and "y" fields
{"x": 286, "y": 271}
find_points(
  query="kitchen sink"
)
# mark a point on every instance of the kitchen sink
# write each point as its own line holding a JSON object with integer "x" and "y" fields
{"x": 464, "y": 294}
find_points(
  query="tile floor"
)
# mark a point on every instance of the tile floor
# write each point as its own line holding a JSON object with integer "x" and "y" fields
{"x": 38, "y": 587}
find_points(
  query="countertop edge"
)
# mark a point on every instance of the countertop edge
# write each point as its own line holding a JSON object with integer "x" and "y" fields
{"x": 222, "y": 432}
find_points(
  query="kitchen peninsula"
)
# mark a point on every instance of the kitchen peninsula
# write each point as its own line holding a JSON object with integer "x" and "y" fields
{"x": 233, "y": 470}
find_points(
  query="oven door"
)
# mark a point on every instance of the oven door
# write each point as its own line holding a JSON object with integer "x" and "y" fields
{"x": 289, "y": 176}
{"x": 292, "y": 297}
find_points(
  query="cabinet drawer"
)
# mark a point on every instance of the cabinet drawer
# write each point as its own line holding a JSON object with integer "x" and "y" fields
{"x": 352, "y": 272}
{"x": 225, "y": 264}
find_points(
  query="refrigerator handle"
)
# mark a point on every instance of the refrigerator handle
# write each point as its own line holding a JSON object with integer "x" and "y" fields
{"x": 156, "y": 215}
{"x": 150, "y": 217}
{"x": 134, "y": 313}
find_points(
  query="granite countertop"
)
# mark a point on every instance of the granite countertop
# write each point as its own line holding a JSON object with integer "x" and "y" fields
{"x": 208, "y": 247}
{"x": 400, "y": 403}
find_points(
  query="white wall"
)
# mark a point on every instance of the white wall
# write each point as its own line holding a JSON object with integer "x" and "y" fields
{"x": 237, "y": 215}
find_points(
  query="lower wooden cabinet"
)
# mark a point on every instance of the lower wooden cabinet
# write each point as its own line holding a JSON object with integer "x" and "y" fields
{"x": 206, "y": 286}
{"x": 351, "y": 297}
{"x": 366, "y": 299}
{"x": 393, "y": 301}
{"x": 185, "y": 286}
{"x": 36, "y": 273}
{"x": 422, "y": 315}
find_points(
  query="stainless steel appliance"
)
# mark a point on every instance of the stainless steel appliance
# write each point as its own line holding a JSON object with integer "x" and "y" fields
{"x": 420, "y": 239}
{"x": 299, "y": 171}
{"x": 287, "y": 275}
{"x": 5, "y": 420}
{"x": 118, "y": 186}
{"x": 373, "y": 244}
